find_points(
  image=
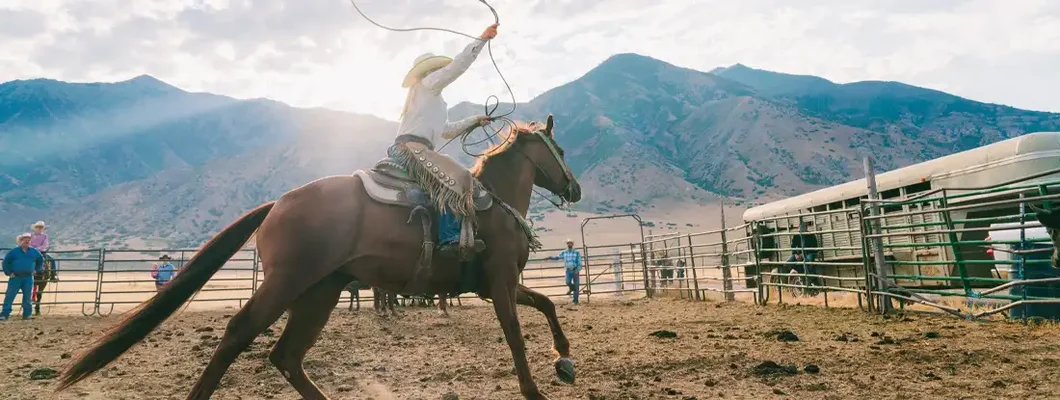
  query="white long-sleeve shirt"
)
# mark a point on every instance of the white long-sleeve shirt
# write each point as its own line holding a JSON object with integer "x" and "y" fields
{"x": 427, "y": 115}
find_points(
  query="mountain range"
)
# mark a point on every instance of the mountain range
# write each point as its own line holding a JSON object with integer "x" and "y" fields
{"x": 106, "y": 162}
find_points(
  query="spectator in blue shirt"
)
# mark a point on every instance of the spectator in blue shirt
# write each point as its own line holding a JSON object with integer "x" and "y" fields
{"x": 163, "y": 272}
{"x": 20, "y": 264}
{"x": 572, "y": 261}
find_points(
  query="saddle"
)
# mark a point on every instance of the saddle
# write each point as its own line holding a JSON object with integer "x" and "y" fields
{"x": 438, "y": 184}
{"x": 416, "y": 177}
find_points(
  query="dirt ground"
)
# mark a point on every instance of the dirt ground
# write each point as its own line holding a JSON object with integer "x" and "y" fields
{"x": 721, "y": 350}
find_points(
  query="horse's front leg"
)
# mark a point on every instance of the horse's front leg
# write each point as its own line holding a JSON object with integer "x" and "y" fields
{"x": 38, "y": 295}
{"x": 564, "y": 364}
{"x": 503, "y": 295}
{"x": 443, "y": 306}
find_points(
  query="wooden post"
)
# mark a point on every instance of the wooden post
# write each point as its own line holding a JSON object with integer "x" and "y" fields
{"x": 692, "y": 266}
{"x": 726, "y": 270}
{"x": 877, "y": 243}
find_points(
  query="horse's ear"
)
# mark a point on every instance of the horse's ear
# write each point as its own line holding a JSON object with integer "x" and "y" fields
{"x": 549, "y": 123}
{"x": 1049, "y": 218}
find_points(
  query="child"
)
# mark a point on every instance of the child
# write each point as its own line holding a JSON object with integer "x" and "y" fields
{"x": 39, "y": 240}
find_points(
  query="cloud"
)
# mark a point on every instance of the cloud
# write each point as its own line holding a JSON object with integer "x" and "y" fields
{"x": 17, "y": 24}
{"x": 322, "y": 53}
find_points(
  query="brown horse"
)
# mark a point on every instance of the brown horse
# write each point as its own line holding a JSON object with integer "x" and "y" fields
{"x": 383, "y": 302}
{"x": 317, "y": 238}
{"x": 40, "y": 282}
{"x": 378, "y": 298}
{"x": 1050, "y": 218}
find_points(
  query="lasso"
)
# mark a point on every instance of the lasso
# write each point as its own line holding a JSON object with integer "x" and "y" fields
{"x": 488, "y": 108}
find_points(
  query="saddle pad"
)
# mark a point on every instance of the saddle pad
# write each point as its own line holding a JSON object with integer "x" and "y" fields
{"x": 381, "y": 193}
{"x": 386, "y": 194}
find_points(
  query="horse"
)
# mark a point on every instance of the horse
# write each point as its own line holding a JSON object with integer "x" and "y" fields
{"x": 666, "y": 267}
{"x": 317, "y": 238}
{"x": 355, "y": 287}
{"x": 383, "y": 302}
{"x": 427, "y": 300}
{"x": 1050, "y": 219}
{"x": 40, "y": 282}
{"x": 763, "y": 246}
{"x": 379, "y": 298}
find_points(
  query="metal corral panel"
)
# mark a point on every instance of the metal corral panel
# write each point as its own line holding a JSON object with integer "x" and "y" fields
{"x": 989, "y": 165}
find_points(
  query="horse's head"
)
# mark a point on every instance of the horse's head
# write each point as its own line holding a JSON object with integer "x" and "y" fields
{"x": 1051, "y": 220}
{"x": 534, "y": 146}
{"x": 537, "y": 143}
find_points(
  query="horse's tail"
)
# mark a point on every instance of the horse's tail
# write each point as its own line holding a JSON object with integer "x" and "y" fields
{"x": 150, "y": 314}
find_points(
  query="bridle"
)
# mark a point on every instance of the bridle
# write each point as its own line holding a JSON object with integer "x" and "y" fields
{"x": 551, "y": 144}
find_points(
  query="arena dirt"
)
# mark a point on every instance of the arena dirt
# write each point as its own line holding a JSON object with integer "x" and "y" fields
{"x": 733, "y": 351}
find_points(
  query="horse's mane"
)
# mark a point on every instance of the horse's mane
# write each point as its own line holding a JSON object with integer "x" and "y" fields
{"x": 511, "y": 135}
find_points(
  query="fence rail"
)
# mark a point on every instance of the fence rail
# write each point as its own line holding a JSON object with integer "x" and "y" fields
{"x": 930, "y": 250}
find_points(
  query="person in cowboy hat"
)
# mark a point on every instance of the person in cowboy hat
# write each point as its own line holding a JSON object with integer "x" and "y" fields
{"x": 162, "y": 273}
{"x": 20, "y": 264}
{"x": 39, "y": 240}
{"x": 572, "y": 263}
{"x": 425, "y": 116}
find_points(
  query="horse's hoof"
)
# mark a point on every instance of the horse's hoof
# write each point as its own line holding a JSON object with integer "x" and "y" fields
{"x": 565, "y": 370}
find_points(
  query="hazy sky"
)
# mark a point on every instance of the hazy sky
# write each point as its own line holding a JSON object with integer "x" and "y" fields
{"x": 321, "y": 53}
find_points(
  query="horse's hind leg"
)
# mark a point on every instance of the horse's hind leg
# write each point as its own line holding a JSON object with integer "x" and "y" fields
{"x": 564, "y": 365}
{"x": 442, "y": 305}
{"x": 391, "y": 302}
{"x": 38, "y": 295}
{"x": 376, "y": 301}
{"x": 263, "y": 308}
{"x": 380, "y": 300}
{"x": 307, "y": 317}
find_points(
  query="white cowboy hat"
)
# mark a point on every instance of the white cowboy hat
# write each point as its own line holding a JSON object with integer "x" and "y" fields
{"x": 569, "y": 240}
{"x": 22, "y": 236}
{"x": 425, "y": 63}
{"x": 38, "y": 223}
